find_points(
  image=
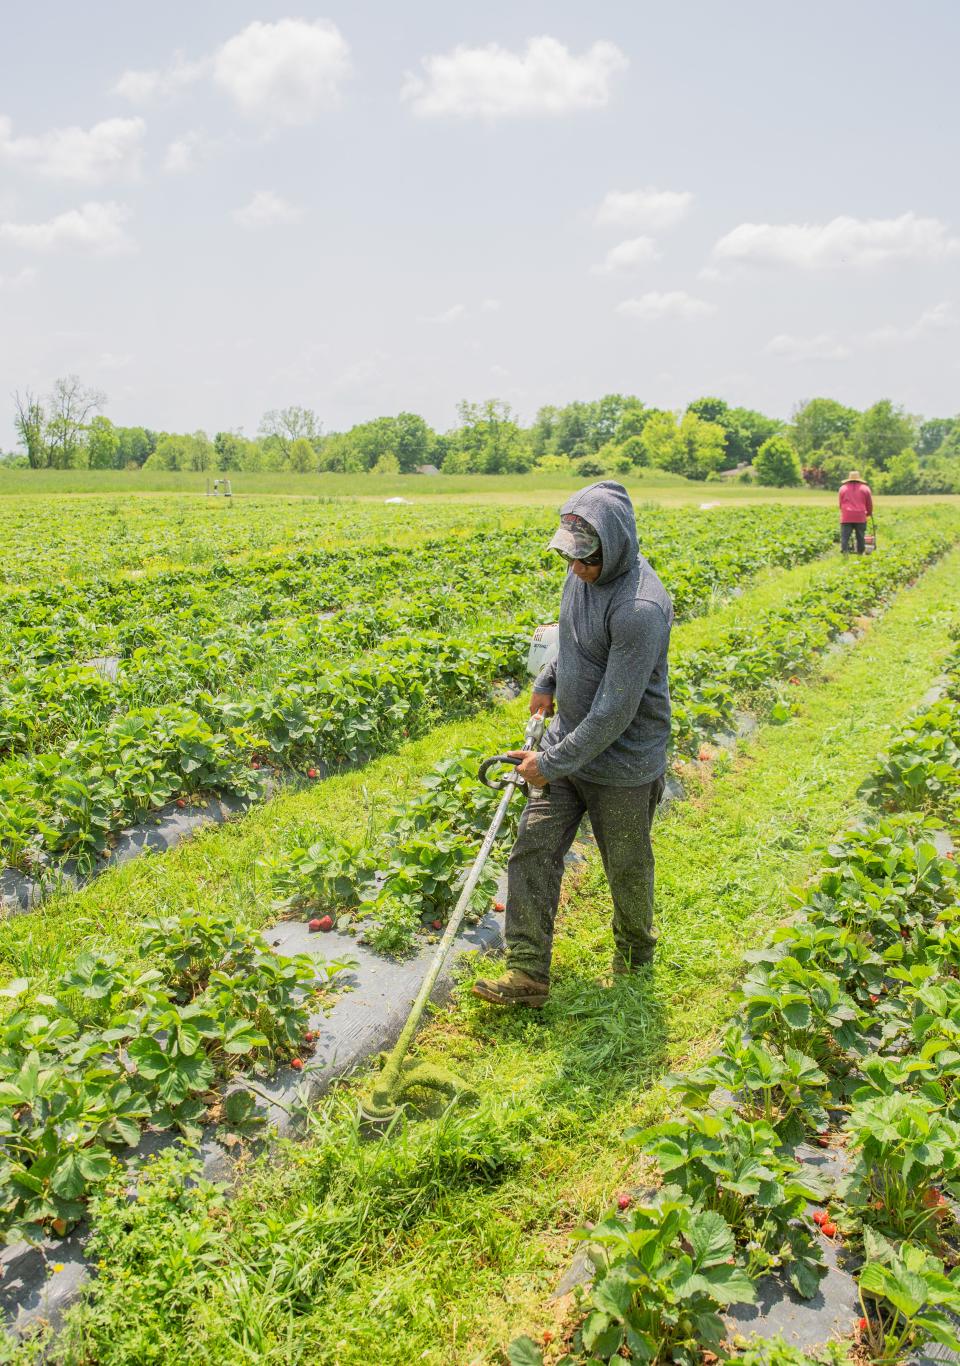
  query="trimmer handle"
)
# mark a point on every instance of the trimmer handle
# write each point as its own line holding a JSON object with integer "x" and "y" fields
{"x": 506, "y": 779}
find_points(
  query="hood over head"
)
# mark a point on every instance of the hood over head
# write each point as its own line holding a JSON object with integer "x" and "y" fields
{"x": 608, "y": 509}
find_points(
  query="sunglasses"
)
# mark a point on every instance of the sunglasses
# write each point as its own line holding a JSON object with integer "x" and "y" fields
{"x": 589, "y": 560}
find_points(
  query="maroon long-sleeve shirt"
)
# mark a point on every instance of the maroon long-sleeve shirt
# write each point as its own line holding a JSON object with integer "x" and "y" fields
{"x": 856, "y": 502}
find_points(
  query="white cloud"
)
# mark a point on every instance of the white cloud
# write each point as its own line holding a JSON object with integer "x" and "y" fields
{"x": 821, "y": 347}
{"x": 452, "y": 314}
{"x": 266, "y": 210}
{"x": 856, "y": 242}
{"x": 462, "y": 312}
{"x": 675, "y": 303}
{"x": 20, "y": 279}
{"x": 111, "y": 360}
{"x": 281, "y": 73}
{"x": 627, "y": 256}
{"x": 186, "y": 152}
{"x": 492, "y": 82}
{"x": 141, "y": 87}
{"x": 934, "y": 319}
{"x": 95, "y": 226}
{"x": 284, "y": 73}
{"x": 648, "y": 208}
{"x": 108, "y": 150}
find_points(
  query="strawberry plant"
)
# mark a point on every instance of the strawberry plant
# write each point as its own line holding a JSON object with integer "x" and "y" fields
{"x": 904, "y": 1147}
{"x": 909, "y": 1299}
{"x": 785, "y": 1089}
{"x": 738, "y": 1168}
{"x": 663, "y": 1272}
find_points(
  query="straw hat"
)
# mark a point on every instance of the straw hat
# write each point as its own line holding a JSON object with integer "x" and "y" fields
{"x": 853, "y": 477}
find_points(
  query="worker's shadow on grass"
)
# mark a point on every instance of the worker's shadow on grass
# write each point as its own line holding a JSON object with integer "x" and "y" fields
{"x": 610, "y": 1038}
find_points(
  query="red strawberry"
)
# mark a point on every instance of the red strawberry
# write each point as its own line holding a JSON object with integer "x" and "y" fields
{"x": 311, "y": 772}
{"x": 297, "y": 1064}
{"x": 862, "y": 1325}
{"x": 325, "y": 923}
{"x": 819, "y": 1216}
{"x": 823, "y": 1138}
{"x": 705, "y": 753}
{"x": 499, "y": 906}
{"x": 624, "y": 1200}
{"x": 829, "y": 1228}
{"x": 873, "y": 998}
{"x": 313, "y": 925}
{"x": 59, "y": 1227}
{"x": 254, "y": 764}
{"x": 181, "y": 803}
{"x": 437, "y": 924}
{"x": 309, "y": 1036}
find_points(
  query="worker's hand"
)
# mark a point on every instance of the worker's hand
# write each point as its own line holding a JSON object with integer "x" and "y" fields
{"x": 542, "y": 701}
{"x": 528, "y": 768}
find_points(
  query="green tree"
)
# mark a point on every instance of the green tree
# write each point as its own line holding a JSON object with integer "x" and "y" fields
{"x": 933, "y": 434}
{"x": 189, "y": 451}
{"x": 822, "y": 424}
{"x": 573, "y": 434}
{"x": 30, "y": 421}
{"x": 68, "y": 410}
{"x": 747, "y": 431}
{"x": 339, "y": 454}
{"x": 882, "y": 432}
{"x": 488, "y": 440}
{"x": 543, "y": 433}
{"x": 903, "y": 473}
{"x": 692, "y": 447}
{"x": 302, "y": 456}
{"x": 777, "y": 463}
{"x": 387, "y": 464}
{"x": 230, "y": 449}
{"x": 103, "y": 444}
{"x": 281, "y": 427}
{"x": 136, "y": 446}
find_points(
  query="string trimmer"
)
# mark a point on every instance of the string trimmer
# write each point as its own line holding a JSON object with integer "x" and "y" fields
{"x": 399, "y": 1077}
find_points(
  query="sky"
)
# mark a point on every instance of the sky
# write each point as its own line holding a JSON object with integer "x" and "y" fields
{"x": 210, "y": 209}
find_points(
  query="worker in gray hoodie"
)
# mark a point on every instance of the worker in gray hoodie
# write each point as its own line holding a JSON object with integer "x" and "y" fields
{"x": 605, "y": 752}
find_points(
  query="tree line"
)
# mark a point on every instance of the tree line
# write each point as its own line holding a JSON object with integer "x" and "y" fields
{"x": 615, "y": 434}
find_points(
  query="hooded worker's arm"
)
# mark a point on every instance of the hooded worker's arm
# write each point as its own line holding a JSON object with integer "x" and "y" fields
{"x": 639, "y": 634}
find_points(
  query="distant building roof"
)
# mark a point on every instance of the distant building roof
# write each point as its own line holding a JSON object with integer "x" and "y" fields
{"x": 427, "y": 469}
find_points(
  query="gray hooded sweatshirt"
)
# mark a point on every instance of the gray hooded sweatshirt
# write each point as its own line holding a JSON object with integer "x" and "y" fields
{"x": 610, "y": 675}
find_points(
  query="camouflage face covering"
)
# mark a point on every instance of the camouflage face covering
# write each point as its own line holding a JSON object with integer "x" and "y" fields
{"x": 575, "y": 539}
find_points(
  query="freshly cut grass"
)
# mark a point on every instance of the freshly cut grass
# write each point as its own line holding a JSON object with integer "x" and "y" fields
{"x": 441, "y": 1244}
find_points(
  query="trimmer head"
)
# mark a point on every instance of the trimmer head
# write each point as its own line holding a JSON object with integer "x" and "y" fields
{"x": 420, "y": 1084}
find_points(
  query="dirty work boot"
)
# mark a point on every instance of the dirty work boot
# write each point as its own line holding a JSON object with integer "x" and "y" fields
{"x": 514, "y": 988}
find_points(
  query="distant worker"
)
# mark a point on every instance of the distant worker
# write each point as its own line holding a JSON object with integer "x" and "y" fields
{"x": 606, "y": 751}
{"x": 856, "y": 505}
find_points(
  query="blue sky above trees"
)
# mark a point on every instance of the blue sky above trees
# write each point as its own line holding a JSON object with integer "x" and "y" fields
{"x": 208, "y": 211}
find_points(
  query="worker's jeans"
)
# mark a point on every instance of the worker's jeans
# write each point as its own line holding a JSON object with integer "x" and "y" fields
{"x": 621, "y": 818}
{"x": 861, "y": 532}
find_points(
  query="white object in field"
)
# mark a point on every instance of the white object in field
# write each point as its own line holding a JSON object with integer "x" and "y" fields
{"x": 397, "y": 500}
{"x": 543, "y": 648}
{"x": 704, "y": 506}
